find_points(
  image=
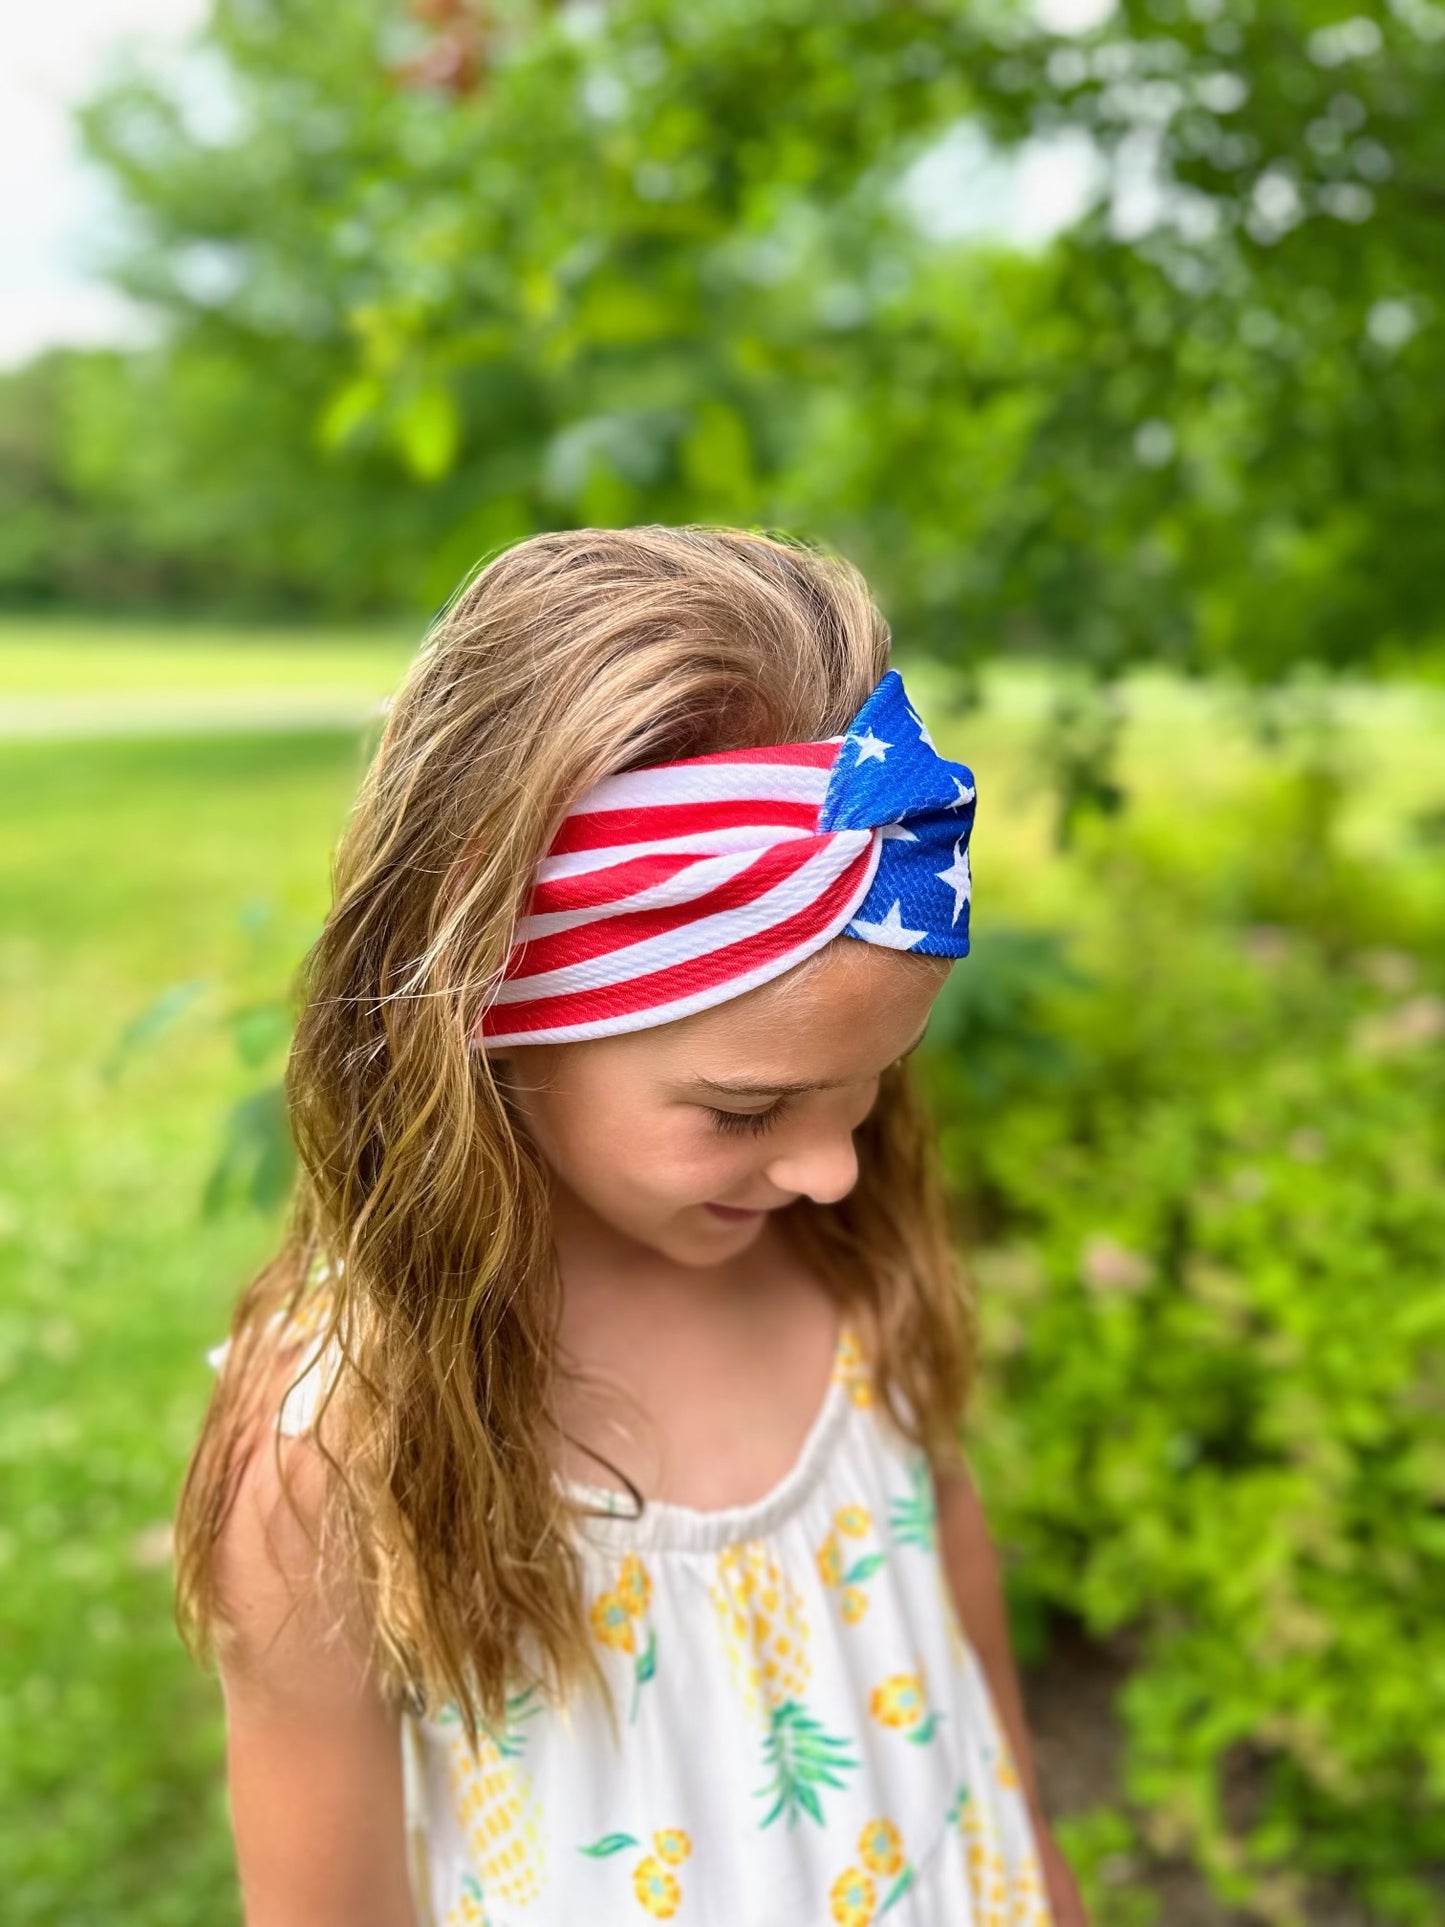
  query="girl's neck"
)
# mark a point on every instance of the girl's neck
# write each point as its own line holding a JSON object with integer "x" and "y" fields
{"x": 660, "y": 1374}
{"x": 599, "y": 1262}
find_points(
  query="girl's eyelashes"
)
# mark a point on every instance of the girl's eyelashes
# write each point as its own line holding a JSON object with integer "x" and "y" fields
{"x": 752, "y": 1123}
{"x": 749, "y": 1123}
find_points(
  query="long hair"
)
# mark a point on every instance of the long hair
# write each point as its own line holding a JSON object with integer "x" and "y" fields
{"x": 417, "y": 1245}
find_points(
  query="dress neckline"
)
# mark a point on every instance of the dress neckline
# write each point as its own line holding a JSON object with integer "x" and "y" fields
{"x": 607, "y": 1517}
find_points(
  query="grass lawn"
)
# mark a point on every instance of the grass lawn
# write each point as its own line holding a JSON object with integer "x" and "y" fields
{"x": 65, "y": 655}
{"x": 128, "y": 865}
{"x": 123, "y": 868}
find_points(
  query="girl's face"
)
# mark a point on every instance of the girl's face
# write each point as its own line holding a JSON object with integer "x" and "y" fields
{"x": 643, "y": 1133}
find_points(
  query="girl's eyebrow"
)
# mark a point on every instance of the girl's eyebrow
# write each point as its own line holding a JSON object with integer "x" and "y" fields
{"x": 743, "y": 1087}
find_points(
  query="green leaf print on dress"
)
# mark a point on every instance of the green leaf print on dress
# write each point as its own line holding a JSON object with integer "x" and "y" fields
{"x": 801, "y": 1757}
{"x": 914, "y": 1517}
{"x": 765, "y": 1636}
{"x": 500, "y": 1818}
{"x": 469, "y": 1908}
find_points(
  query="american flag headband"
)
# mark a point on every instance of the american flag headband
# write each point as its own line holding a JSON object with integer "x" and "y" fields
{"x": 670, "y": 889}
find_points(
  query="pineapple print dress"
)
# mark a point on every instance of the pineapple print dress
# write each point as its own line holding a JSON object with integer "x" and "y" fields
{"x": 806, "y": 1734}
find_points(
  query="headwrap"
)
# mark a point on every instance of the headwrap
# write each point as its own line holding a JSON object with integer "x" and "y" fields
{"x": 669, "y": 889}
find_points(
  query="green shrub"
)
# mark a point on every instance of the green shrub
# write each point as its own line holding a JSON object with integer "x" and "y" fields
{"x": 1197, "y": 1153}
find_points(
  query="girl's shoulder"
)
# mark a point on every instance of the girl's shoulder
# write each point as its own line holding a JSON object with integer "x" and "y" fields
{"x": 267, "y": 1545}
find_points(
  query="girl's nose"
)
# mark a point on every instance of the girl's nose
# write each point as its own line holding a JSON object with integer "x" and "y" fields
{"x": 824, "y": 1167}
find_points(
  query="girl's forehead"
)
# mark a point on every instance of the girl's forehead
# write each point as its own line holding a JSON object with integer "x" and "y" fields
{"x": 836, "y": 985}
{"x": 808, "y": 1026}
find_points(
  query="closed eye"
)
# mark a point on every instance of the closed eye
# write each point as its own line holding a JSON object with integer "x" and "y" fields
{"x": 747, "y": 1123}
{"x": 755, "y": 1123}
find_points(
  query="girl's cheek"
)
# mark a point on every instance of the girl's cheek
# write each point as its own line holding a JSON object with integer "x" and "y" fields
{"x": 699, "y": 1159}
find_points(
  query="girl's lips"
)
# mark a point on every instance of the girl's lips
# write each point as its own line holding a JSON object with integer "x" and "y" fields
{"x": 729, "y": 1211}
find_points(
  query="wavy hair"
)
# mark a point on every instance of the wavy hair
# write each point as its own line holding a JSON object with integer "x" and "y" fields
{"x": 417, "y": 1245}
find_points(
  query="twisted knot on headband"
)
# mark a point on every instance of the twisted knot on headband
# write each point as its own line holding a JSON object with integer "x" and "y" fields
{"x": 670, "y": 889}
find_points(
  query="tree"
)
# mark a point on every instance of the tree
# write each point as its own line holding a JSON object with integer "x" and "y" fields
{"x": 534, "y": 264}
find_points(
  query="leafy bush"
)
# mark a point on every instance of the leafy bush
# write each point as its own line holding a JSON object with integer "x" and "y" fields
{"x": 1197, "y": 1154}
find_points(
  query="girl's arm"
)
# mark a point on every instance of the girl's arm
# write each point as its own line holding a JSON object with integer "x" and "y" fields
{"x": 971, "y": 1566}
{"x": 313, "y": 1751}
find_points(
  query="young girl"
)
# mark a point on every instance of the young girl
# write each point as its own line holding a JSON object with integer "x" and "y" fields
{"x": 579, "y": 1520}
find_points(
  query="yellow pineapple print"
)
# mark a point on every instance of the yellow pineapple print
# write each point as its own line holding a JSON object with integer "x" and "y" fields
{"x": 881, "y": 1845}
{"x": 656, "y": 1886}
{"x": 467, "y": 1909}
{"x": 851, "y": 1368}
{"x": 659, "y": 1891}
{"x": 853, "y": 1897}
{"x": 830, "y": 1561}
{"x": 763, "y": 1624}
{"x": 837, "y": 1565}
{"x": 987, "y": 1875}
{"x": 765, "y": 1636}
{"x": 671, "y": 1845}
{"x": 901, "y": 1702}
{"x": 1028, "y": 1901}
{"x": 616, "y": 1616}
{"x": 634, "y": 1587}
{"x": 1002, "y": 1895}
{"x": 498, "y": 1811}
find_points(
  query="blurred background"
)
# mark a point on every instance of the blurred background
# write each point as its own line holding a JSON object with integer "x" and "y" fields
{"x": 1108, "y": 337}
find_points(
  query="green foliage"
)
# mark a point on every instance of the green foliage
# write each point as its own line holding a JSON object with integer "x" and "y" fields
{"x": 1203, "y": 1175}
{"x": 433, "y": 282}
{"x": 1103, "y": 1849}
{"x": 256, "y": 1161}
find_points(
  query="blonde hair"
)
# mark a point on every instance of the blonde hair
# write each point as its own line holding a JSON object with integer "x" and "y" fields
{"x": 418, "y": 1244}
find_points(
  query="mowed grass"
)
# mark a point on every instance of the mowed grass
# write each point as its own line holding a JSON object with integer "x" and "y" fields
{"x": 127, "y": 866}
{"x": 69, "y": 656}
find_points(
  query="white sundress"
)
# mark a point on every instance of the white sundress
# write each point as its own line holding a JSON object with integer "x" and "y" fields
{"x": 806, "y": 1734}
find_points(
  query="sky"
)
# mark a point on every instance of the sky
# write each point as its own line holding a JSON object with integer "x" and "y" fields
{"x": 55, "y": 209}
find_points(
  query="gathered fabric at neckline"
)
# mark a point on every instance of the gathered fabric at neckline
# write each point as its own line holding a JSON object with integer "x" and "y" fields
{"x": 606, "y": 1515}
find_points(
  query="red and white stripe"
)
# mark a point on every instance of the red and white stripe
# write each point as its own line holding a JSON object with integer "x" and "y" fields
{"x": 670, "y": 889}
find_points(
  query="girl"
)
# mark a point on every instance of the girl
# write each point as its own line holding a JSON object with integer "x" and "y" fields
{"x": 579, "y": 1521}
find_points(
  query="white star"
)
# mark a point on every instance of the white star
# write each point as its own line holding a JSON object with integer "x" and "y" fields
{"x": 896, "y": 830}
{"x": 890, "y": 931}
{"x": 923, "y": 733}
{"x": 966, "y": 794}
{"x": 959, "y": 877}
{"x": 870, "y": 747}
